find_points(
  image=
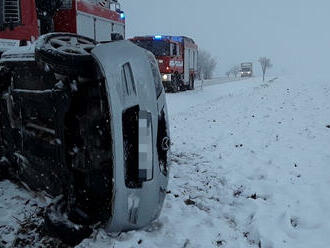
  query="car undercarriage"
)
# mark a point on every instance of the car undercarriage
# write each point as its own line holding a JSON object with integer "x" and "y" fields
{"x": 55, "y": 136}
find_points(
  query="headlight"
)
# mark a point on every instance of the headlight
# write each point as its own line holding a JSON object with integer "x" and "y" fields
{"x": 166, "y": 77}
{"x": 160, "y": 61}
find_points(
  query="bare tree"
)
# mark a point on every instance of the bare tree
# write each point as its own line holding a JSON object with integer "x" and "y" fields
{"x": 206, "y": 65}
{"x": 235, "y": 70}
{"x": 228, "y": 74}
{"x": 265, "y": 64}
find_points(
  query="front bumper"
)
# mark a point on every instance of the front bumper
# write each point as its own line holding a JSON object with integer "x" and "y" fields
{"x": 246, "y": 74}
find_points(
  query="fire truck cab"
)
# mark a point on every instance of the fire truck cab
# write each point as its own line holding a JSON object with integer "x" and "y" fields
{"x": 22, "y": 22}
{"x": 177, "y": 59}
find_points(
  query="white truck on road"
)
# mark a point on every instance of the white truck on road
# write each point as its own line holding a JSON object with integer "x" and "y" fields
{"x": 247, "y": 69}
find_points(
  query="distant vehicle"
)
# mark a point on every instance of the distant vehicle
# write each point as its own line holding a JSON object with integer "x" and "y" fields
{"x": 247, "y": 69}
{"x": 177, "y": 59}
{"x": 88, "y": 122}
{"x": 22, "y": 22}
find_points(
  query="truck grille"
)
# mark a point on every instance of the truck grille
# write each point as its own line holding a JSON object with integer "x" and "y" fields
{"x": 11, "y": 11}
{"x": 66, "y": 4}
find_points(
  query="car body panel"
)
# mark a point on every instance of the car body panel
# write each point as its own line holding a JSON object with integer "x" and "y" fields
{"x": 132, "y": 207}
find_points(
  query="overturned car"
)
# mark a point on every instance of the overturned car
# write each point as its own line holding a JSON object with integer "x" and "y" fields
{"x": 87, "y": 122}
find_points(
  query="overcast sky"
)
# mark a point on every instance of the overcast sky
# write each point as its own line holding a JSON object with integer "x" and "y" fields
{"x": 295, "y": 34}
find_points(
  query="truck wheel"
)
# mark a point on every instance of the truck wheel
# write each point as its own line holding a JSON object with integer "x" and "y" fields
{"x": 175, "y": 85}
{"x": 65, "y": 53}
{"x": 58, "y": 225}
{"x": 191, "y": 83}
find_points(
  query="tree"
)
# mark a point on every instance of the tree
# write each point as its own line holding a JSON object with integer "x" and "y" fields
{"x": 235, "y": 70}
{"x": 206, "y": 65}
{"x": 228, "y": 74}
{"x": 265, "y": 64}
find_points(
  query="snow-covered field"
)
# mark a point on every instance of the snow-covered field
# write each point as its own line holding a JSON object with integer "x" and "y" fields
{"x": 250, "y": 168}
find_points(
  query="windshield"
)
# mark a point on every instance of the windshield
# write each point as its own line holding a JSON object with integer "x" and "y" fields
{"x": 9, "y": 13}
{"x": 157, "y": 47}
{"x": 1, "y": 15}
{"x": 246, "y": 69}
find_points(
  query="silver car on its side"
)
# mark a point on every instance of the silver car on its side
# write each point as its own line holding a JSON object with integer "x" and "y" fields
{"x": 87, "y": 122}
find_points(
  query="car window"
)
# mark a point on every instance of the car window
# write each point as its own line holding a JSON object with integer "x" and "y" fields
{"x": 156, "y": 76}
{"x": 128, "y": 80}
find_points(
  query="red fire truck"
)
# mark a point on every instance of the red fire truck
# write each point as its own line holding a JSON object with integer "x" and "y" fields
{"x": 177, "y": 59}
{"x": 22, "y": 21}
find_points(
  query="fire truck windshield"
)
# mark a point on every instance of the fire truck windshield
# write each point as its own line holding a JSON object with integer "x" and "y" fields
{"x": 9, "y": 13}
{"x": 157, "y": 47}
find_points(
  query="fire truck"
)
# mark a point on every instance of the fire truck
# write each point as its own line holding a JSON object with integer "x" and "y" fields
{"x": 23, "y": 21}
{"x": 177, "y": 59}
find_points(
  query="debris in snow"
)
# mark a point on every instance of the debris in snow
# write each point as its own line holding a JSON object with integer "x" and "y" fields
{"x": 220, "y": 243}
{"x": 189, "y": 202}
{"x": 254, "y": 196}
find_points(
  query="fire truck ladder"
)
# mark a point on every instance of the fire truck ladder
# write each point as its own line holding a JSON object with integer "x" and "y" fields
{"x": 11, "y": 11}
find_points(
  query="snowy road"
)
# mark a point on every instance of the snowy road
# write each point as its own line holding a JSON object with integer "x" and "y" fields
{"x": 250, "y": 168}
{"x": 221, "y": 80}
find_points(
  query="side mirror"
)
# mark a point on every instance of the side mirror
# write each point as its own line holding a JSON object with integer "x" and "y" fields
{"x": 145, "y": 146}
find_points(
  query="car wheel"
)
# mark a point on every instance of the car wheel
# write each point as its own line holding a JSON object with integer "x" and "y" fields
{"x": 66, "y": 53}
{"x": 57, "y": 224}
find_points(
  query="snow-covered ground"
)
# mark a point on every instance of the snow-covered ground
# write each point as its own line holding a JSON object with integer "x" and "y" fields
{"x": 250, "y": 168}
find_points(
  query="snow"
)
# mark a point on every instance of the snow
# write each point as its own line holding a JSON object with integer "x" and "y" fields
{"x": 250, "y": 168}
{"x": 23, "y": 53}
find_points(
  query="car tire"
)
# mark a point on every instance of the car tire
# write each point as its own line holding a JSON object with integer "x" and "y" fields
{"x": 65, "y": 53}
{"x": 58, "y": 225}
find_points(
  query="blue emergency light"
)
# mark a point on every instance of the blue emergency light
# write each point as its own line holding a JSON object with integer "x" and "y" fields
{"x": 122, "y": 16}
{"x": 158, "y": 37}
